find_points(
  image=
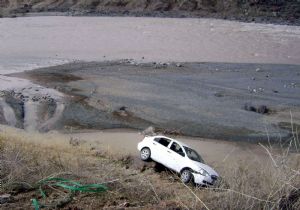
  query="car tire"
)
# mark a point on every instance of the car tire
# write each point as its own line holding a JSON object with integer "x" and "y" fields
{"x": 145, "y": 154}
{"x": 186, "y": 176}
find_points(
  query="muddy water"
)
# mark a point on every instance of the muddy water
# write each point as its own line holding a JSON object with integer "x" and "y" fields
{"x": 32, "y": 42}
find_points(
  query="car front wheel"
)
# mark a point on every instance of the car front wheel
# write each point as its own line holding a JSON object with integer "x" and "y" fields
{"x": 145, "y": 154}
{"x": 186, "y": 176}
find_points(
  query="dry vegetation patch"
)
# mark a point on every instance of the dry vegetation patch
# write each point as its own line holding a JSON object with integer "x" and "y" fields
{"x": 246, "y": 184}
{"x": 24, "y": 164}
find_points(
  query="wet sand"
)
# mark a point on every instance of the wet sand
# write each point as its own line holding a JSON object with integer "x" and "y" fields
{"x": 210, "y": 100}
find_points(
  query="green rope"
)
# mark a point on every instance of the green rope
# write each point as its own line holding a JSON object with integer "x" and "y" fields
{"x": 36, "y": 205}
{"x": 67, "y": 184}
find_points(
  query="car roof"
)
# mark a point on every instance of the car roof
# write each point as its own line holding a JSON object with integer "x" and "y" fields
{"x": 161, "y": 136}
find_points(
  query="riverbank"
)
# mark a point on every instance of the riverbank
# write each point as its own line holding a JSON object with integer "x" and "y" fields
{"x": 278, "y": 12}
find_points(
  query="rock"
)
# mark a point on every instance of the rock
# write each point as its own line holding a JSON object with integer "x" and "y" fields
{"x": 250, "y": 108}
{"x": 261, "y": 109}
{"x": 126, "y": 204}
{"x": 35, "y": 98}
{"x": 5, "y": 198}
{"x": 219, "y": 94}
{"x": 139, "y": 165}
{"x": 123, "y": 108}
{"x": 150, "y": 131}
{"x": 122, "y": 112}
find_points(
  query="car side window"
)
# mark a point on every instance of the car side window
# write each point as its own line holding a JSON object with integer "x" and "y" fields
{"x": 177, "y": 148}
{"x": 163, "y": 141}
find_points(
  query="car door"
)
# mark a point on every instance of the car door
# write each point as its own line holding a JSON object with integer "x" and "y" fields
{"x": 177, "y": 156}
{"x": 159, "y": 150}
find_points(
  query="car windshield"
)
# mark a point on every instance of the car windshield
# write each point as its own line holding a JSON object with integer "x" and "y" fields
{"x": 193, "y": 155}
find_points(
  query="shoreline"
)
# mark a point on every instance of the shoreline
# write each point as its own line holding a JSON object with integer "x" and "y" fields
{"x": 170, "y": 15}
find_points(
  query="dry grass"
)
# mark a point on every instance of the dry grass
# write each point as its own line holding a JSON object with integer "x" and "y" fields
{"x": 25, "y": 162}
{"x": 248, "y": 184}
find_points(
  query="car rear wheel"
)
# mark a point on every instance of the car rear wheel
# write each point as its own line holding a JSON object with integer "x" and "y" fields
{"x": 145, "y": 154}
{"x": 186, "y": 176}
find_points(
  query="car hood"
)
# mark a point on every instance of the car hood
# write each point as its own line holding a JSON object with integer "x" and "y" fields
{"x": 207, "y": 168}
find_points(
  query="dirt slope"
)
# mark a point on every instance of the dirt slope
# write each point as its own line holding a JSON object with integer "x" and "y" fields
{"x": 252, "y": 10}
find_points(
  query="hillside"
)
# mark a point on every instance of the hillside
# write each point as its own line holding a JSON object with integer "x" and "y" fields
{"x": 247, "y": 183}
{"x": 277, "y": 11}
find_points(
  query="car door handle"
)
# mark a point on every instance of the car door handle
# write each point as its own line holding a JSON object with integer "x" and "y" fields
{"x": 169, "y": 151}
{"x": 154, "y": 143}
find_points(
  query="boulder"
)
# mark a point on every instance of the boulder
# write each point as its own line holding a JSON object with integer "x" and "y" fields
{"x": 5, "y": 198}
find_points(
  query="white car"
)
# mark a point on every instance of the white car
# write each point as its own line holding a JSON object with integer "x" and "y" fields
{"x": 179, "y": 158}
